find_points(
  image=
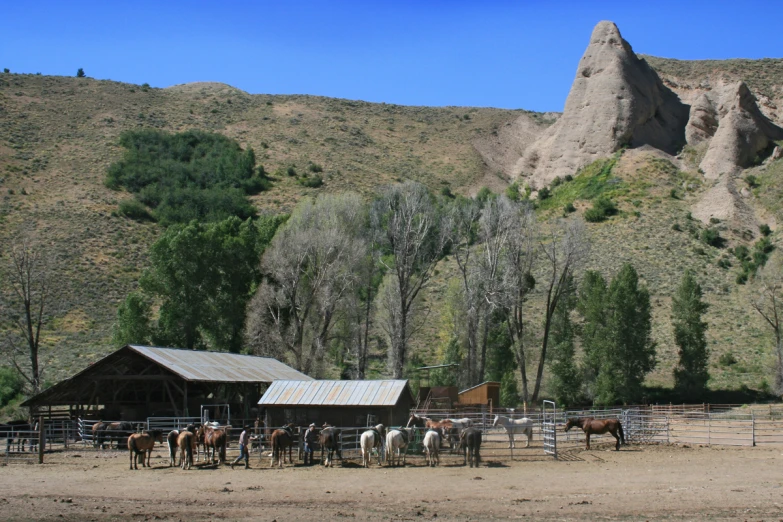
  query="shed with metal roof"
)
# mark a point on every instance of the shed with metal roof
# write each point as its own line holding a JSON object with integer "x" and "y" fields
{"x": 341, "y": 403}
{"x": 136, "y": 382}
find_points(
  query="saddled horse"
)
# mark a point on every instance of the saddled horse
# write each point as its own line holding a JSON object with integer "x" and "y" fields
{"x": 142, "y": 444}
{"x": 215, "y": 441}
{"x": 201, "y": 444}
{"x": 329, "y": 440}
{"x": 470, "y": 444}
{"x": 171, "y": 440}
{"x": 431, "y": 445}
{"x": 514, "y": 426}
{"x": 280, "y": 440}
{"x": 186, "y": 441}
{"x": 593, "y": 426}
{"x": 372, "y": 438}
{"x": 397, "y": 441}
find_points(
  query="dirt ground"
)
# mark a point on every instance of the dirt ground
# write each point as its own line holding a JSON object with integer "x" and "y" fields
{"x": 636, "y": 483}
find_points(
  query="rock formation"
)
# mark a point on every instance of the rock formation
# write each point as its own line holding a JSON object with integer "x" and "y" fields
{"x": 615, "y": 100}
{"x": 742, "y": 132}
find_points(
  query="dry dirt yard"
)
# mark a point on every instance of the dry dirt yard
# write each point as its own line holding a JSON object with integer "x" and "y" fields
{"x": 637, "y": 483}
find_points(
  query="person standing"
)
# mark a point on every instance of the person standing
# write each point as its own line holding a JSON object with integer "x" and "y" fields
{"x": 310, "y": 438}
{"x": 244, "y": 448}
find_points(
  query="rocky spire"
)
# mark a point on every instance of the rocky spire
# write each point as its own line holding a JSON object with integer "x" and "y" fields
{"x": 616, "y": 100}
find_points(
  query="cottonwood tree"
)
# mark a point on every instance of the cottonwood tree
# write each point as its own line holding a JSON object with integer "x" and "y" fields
{"x": 566, "y": 381}
{"x": 517, "y": 283}
{"x": 27, "y": 307}
{"x": 768, "y": 302}
{"x": 411, "y": 234}
{"x": 309, "y": 270}
{"x": 690, "y": 375}
{"x": 564, "y": 251}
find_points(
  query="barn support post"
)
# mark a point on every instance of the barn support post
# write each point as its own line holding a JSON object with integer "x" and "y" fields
{"x": 41, "y": 440}
{"x": 752, "y": 427}
{"x": 185, "y": 398}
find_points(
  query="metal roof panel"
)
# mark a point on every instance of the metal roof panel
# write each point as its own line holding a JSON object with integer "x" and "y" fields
{"x": 334, "y": 393}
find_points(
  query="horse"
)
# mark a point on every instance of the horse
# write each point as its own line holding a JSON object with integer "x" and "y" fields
{"x": 446, "y": 425}
{"x": 216, "y": 439}
{"x": 593, "y": 426}
{"x": 18, "y": 432}
{"x": 201, "y": 445}
{"x": 280, "y": 440}
{"x": 114, "y": 431}
{"x": 372, "y": 438}
{"x": 397, "y": 441}
{"x": 431, "y": 445}
{"x": 97, "y": 428}
{"x": 141, "y": 444}
{"x": 329, "y": 440}
{"x": 514, "y": 426}
{"x": 171, "y": 440}
{"x": 470, "y": 443}
{"x": 186, "y": 441}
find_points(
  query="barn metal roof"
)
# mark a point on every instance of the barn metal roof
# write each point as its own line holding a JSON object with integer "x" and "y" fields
{"x": 335, "y": 393}
{"x": 194, "y": 365}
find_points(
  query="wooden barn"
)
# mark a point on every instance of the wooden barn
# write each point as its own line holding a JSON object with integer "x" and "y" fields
{"x": 340, "y": 403}
{"x": 484, "y": 394}
{"x": 137, "y": 382}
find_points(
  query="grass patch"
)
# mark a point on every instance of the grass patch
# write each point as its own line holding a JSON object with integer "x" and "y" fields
{"x": 589, "y": 183}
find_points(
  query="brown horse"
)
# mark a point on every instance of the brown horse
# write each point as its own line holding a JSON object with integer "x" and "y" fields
{"x": 216, "y": 439}
{"x": 280, "y": 440}
{"x": 186, "y": 441}
{"x": 446, "y": 427}
{"x": 141, "y": 444}
{"x": 329, "y": 440}
{"x": 593, "y": 426}
{"x": 470, "y": 444}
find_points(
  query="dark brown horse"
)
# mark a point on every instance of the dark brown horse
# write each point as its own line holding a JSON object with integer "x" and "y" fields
{"x": 113, "y": 431}
{"x": 280, "y": 440}
{"x": 329, "y": 440}
{"x": 142, "y": 444}
{"x": 593, "y": 426}
{"x": 470, "y": 444}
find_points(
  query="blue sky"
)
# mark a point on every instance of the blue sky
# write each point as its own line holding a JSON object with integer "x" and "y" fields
{"x": 492, "y": 54}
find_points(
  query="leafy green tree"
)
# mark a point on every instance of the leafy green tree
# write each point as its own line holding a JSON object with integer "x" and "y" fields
{"x": 690, "y": 375}
{"x": 202, "y": 275}
{"x": 509, "y": 393}
{"x": 134, "y": 321}
{"x": 11, "y": 384}
{"x": 80, "y": 73}
{"x": 629, "y": 353}
{"x": 591, "y": 305}
{"x": 566, "y": 378}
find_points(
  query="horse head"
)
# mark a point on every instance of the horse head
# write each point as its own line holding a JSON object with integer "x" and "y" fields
{"x": 571, "y": 422}
{"x": 381, "y": 429}
{"x": 495, "y": 422}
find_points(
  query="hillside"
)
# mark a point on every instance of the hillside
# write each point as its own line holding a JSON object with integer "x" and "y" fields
{"x": 58, "y": 135}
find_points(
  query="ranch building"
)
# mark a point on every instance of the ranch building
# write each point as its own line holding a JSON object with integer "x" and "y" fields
{"x": 484, "y": 394}
{"x": 340, "y": 403}
{"x": 137, "y": 382}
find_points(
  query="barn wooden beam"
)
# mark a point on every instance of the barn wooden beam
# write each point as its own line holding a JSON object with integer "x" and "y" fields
{"x": 134, "y": 378}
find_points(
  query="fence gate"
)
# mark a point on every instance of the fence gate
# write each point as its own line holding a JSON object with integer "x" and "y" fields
{"x": 549, "y": 427}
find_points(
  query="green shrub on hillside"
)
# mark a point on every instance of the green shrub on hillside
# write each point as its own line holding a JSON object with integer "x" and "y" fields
{"x": 133, "y": 209}
{"x": 712, "y": 237}
{"x": 11, "y": 384}
{"x": 311, "y": 181}
{"x": 602, "y": 208}
{"x": 190, "y": 175}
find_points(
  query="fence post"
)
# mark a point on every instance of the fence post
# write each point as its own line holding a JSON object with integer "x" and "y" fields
{"x": 41, "y": 439}
{"x": 753, "y": 427}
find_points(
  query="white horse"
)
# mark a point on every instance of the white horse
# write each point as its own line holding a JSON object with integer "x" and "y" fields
{"x": 431, "y": 446}
{"x": 461, "y": 424}
{"x": 372, "y": 438}
{"x": 514, "y": 426}
{"x": 397, "y": 441}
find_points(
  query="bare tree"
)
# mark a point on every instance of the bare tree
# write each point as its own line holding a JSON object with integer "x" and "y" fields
{"x": 564, "y": 251}
{"x": 411, "y": 233}
{"x": 517, "y": 283}
{"x": 27, "y": 307}
{"x": 768, "y": 302}
{"x": 309, "y": 268}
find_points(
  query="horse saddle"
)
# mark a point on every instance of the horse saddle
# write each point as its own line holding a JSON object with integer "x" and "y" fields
{"x": 288, "y": 430}
{"x": 404, "y": 435}
{"x": 376, "y": 434}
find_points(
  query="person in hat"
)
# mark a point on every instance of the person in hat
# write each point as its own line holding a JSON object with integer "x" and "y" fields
{"x": 310, "y": 439}
{"x": 244, "y": 448}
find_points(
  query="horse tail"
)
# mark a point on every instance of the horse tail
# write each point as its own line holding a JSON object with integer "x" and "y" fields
{"x": 132, "y": 444}
{"x": 622, "y": 435}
